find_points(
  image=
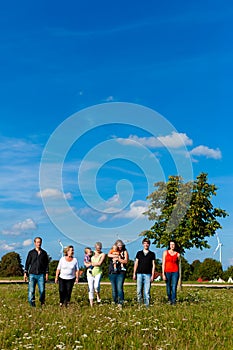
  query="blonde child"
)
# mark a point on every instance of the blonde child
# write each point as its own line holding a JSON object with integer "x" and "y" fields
{"x": 87, "y": 259}
{"x": 114, "y": 251}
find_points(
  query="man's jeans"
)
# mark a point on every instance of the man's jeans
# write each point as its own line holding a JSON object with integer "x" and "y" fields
{"x": 117, "y": 282}
{"x": 143, "y": 288}
{"x": 33, "y": 280}
{"x": 171, "y": 284}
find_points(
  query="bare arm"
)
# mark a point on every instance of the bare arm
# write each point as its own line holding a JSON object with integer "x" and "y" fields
{"x": 135, "y": 269}
{"x": 126, "y": 258}
{"x": 163, "y": 265}
{"x": 113, "y": 255}
{"x": 57, "y": 275}
{"x": 77, "y": 276}
{"x": 99, "y": 263}
{"x": 153, "y": 271}
{"x": 87, "y": 264}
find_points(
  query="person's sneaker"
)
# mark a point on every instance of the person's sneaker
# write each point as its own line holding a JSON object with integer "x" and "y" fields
{"x": 119, "y": 306}
{"x": 98, "y": 300}
{"x": 123, "y": 269}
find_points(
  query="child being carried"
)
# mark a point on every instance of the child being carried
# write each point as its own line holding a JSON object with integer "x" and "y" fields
{"x": 114, "y": 251}
{"x": 87, "y": 258}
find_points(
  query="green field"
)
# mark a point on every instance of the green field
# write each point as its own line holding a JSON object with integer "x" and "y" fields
{"x": 202, "y": 319}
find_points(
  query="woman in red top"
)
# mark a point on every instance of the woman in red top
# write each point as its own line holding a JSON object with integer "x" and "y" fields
{"x": 170, "y": 271}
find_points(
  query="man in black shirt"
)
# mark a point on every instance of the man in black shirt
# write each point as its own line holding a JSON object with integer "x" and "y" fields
{"x": 36, "y": 270}
{"x": 144, "y": 269}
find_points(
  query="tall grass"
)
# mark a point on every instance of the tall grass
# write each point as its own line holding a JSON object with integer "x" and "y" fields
{"x": 202, "y": 319}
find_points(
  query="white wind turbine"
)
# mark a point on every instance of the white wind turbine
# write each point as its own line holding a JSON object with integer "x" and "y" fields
{"x": 219, "y": 247}
{"x": 62, "y": 248}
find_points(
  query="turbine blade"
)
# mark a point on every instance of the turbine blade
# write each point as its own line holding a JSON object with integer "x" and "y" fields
{"x": 217, "y": 248}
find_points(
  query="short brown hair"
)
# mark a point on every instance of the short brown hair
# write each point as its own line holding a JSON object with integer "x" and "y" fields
{"x": 146, "y": 240}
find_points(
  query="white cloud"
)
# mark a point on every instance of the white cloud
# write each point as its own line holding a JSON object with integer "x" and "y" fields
{"x": 7, "y": 247}
{"x": 27, "y": 242}
{"x": 53, "y": 193}
{"x": 59, "y": 210}
{"x": 102, "y": 218}
{"x": 136, "y": 210}
{"x": 114, "y": 200}
{"x": 27, "y": 225}
{"x": 110, "y": 99}
{"x": 174, "y": 140}
{"x": 206, "y": 152}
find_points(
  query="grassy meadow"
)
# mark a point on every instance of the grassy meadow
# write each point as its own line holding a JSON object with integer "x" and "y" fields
{"x": 202, "y": 319}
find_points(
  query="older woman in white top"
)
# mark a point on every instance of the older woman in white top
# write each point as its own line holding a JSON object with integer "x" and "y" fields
{"x": 67, "y": 274}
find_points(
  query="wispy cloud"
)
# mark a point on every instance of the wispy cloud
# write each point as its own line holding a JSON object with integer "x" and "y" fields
{"x": 18, "y": 151}
{"x": 110, "y": 99}
{"x": 114, "y": 200}
{"x": 136, "y": 210}
{"x": 25, "y": 226}
{"x": 27, "y": 242}
{"x": 206, "y": 152}
{"x": 6, "y": 247}
{"x": 173, "y": 140}
{"x": 53, "y": 193}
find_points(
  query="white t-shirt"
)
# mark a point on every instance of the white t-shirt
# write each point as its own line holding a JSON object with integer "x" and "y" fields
{"x": 67, "y": 268}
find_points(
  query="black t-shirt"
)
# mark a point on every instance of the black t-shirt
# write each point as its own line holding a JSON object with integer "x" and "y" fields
{"x": 145, "y": 262}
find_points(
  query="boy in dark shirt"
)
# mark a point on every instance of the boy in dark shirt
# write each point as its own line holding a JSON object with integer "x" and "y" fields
{"x": 144, "y": 269}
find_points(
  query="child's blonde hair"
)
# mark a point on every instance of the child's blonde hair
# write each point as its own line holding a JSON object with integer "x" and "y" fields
{"x": 85, "y": 250}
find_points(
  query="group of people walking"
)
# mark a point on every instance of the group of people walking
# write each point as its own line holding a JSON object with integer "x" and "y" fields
{"x": 67, "y": 273}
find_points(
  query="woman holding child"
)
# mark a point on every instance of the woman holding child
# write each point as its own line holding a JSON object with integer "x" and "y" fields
{"x": 93, "y": 264}
{"x": 119, "y": 257}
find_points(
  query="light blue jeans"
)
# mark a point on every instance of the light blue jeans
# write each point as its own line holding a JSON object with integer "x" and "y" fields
{"x": 143, "y": 288}
{"x": 171, "y": 285}
{"x": 33, "y": 280}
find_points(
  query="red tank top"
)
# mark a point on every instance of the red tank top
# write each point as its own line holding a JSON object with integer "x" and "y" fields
{"x": 171, "y": 263}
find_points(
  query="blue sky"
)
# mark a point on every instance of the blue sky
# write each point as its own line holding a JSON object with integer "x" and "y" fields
{"x": 98, "y": 102}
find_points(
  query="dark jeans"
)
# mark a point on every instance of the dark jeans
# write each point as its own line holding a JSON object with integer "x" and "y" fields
{"x": 117, "y": 282}
{"x": 171, "y": 284}
{"x": 65, "y": 290}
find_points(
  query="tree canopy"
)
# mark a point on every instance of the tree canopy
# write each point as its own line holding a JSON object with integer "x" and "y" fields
{"x": 210, "y": 269}
{"x": 10, "y": 265}
{"x": 183, "y": 212}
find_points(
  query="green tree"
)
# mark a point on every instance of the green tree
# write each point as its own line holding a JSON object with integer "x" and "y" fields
{"x": 183, "y": 212}
{"x": 210, "y": 269}
{"x": 158, "y": 265}
{"x": 195, "y": 270}
{"x": 10, "y": 265}
{"x": 228, "y": 273}
{"x": 53, "y": 267}
{"x": 186, "y": 269}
